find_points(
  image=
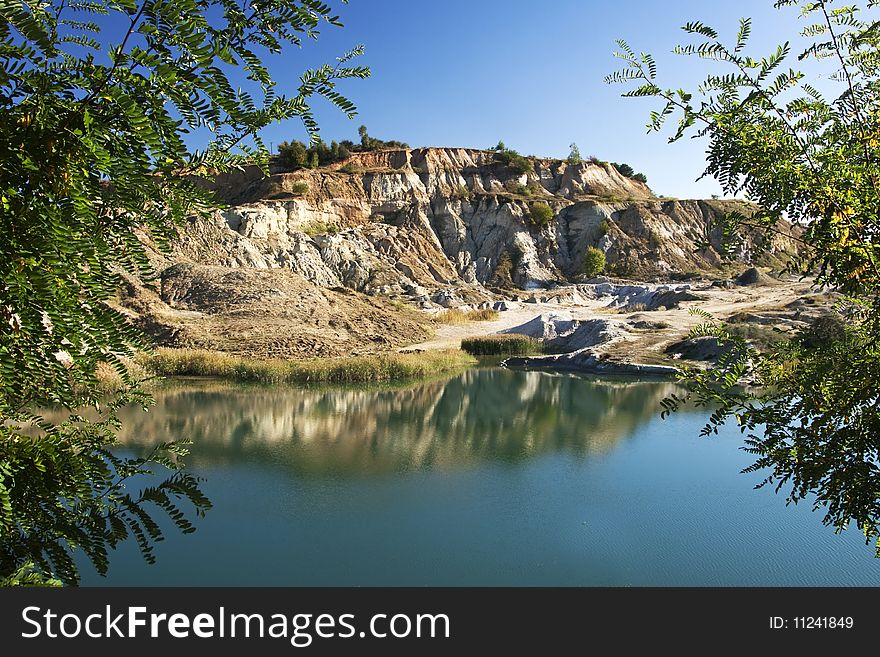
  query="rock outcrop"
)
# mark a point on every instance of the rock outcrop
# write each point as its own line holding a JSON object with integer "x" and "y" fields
{"x": 410, "y": 222}
{"x": 431, "y": 227}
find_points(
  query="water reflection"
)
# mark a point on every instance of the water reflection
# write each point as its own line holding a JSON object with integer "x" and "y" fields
{"x": 480, "y": 415}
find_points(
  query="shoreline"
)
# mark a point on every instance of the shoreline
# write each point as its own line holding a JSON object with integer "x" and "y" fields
{"x": 590, "y": 362}
{"x": 624, "y": 340}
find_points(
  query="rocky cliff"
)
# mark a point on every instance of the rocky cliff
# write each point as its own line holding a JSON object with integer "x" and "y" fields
{"x": 431, "y": 227}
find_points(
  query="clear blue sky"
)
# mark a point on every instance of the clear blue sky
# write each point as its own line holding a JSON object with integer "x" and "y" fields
{"x": 460, "y": 73}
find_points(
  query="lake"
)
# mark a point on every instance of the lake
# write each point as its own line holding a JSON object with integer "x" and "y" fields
{"x": 493, "y": 477}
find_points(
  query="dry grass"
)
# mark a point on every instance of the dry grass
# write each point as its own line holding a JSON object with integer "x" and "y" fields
{"x": 377, "y": 368}
{"x": 456, "y": 316}
{"x": 110, "y": 381}
{"x": 502, "y": 345}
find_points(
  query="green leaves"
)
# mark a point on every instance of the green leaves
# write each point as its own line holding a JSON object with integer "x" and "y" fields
{"x": 94, "y": 165}
{"x": 774, "y": 138}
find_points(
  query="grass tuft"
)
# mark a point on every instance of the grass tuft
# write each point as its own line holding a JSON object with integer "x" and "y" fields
{"x": 456, "y": 316}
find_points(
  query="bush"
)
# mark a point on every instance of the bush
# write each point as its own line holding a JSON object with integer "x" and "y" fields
{"x": 594, "y": 262}
{"x": 604, "y": 227}
{"x": 369, "y": 143}
{"x": 517, "y": 188}
{"x": 512, "y": 160}
{"x": 296, "y": 155}
{"x": 299, "y": 188}
{"x": 502, "y": 345}
{"x": 316, "y": 228}
{"x": 293, "y": 155}
{"x": 541, "y": 214}
{"x": 626, "y": 170}
{"x": 349, "y": 168}
{"x": 824, "y": 331}
{"x": 574, "y": 157}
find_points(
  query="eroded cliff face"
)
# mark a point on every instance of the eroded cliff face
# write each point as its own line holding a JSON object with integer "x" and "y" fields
{"x": 435, "y": 227}
{"x": 413, "y": 222}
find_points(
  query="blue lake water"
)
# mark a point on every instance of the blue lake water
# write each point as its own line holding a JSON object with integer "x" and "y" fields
{"x": 493, "y": 477}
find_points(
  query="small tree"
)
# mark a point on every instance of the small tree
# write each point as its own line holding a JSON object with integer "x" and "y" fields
{"x": 574, "y": 157}
{"x": 541, "y": 213}
{"x": 293, "y": 155}
{"x": 365, "y": 138}
{"x": 624, "y": 169}
{"x": 513, "y": 160}
{"x": 594, "y": 262}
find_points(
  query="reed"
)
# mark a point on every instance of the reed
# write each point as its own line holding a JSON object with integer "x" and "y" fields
{"x": 374, "y": 368}
{"x": 502, "y": 345}
{"x": 456, "y": 316}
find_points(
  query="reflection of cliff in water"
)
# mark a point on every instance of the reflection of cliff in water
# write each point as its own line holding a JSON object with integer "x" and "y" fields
{"x": 482, "y": 414}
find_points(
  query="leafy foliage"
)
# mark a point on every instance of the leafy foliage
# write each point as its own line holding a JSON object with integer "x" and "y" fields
{"x": 92, "y": 127}
{"x": 540, "y": 213}
{"x": 296, "y": 155}
{"x": 626, "y": 170}
{"x": 775, "y": 138}
{"x": 594, "y": 262}
{"x": 574, "y": 156}
{"x": 510, "y": 158}
{"x": 369, "y": 143}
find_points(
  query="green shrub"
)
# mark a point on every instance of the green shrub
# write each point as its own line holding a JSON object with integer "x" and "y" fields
{"x": 349, "y": 168}
{"x": 296, "y": 155}
{"x": 502, "y": 345}
{"x": 515, "y": 187}
{"x": 512, "y": 160}
{"x": 594, "y": 262}
{"x": 292, "y": 155}
{"x": 626, "y": 170}
{"x": 604, "y": 227}
{"x": 369, "y": 143}
{"x": 574, "y": 157}
{"x": 319, "y": 228}
{"x": 299, "y": 188}
{"x": 541, "y": 213}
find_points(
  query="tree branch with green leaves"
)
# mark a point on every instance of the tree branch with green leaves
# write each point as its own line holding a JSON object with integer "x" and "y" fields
{"x": 94, "y": 160}
{"x": 811, "y": 416}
